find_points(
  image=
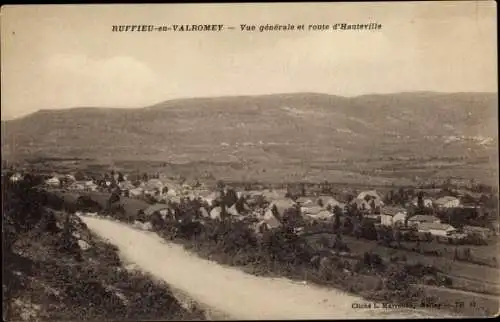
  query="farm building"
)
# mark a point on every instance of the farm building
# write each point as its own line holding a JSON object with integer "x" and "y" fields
{"x": 419, "y": 219}
{"x": 436, "y": 229}
{"x": 447, "y": 202}
{"x": 391, "y": 216}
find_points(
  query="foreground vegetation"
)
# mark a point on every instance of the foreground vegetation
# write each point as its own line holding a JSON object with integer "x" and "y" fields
{"x": 55, "y": 269}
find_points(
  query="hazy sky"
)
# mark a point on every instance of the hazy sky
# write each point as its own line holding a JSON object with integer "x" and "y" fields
{"x": 66, "y": 56}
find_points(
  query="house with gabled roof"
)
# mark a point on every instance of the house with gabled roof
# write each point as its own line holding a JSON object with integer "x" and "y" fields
{"x": 391, "y": 216}
{"x": 420, "y": 219}
{"x": 447, "y": 202}
{"x": 436, "y": 229}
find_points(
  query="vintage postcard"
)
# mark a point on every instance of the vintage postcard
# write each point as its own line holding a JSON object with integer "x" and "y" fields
{"x": 250, "y": 161}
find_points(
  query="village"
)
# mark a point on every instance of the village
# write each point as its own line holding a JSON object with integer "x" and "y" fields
{"x": 437, "y": 243}
{"x": 427, "y": 216}
{"x": 444, "y": 215}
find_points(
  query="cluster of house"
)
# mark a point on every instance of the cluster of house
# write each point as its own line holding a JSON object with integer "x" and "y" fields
{"x": 69, "y": 182}
{"x": 313, "y": 208}
{"x": 372, "y": 206}
{"x": 399, "y": 217}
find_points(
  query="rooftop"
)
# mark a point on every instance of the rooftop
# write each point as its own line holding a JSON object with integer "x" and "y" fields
{"x": 435, "y": 226}
{"x": 424, "y": 218}
{"x": 371, "y": 193}
{"x": 154, "y": 208}
{"x": 445, "y": 199}
{"x": 391, "y": 211}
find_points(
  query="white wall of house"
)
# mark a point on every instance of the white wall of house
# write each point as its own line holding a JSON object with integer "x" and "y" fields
{"x": 412, "y": 221}
{"x": 391, "y": 220}
{"x": 53, "y": 182}
{"x": 451, "y": 204}
{"x": 386, "y": 220}
{"x": 439, "y": 232}
{"x": 427, "y": 203}
{"x": 399, "y": 217}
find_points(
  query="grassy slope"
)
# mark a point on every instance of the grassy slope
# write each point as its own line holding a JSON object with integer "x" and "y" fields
{"x": 52, "y": 284}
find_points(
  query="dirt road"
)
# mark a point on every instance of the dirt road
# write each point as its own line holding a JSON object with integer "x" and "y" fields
{"x": 229, "y": 291}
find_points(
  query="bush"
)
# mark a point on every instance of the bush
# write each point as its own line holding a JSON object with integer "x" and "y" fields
{"x": 85, "y": 203}
{"x": 284, "y": 246}
{"x": 22, "y": 208}
{"x": 420, "y": 270}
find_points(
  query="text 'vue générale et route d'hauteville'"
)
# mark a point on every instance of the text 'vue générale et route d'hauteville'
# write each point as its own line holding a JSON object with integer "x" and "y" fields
{"x": 246, "y": 27}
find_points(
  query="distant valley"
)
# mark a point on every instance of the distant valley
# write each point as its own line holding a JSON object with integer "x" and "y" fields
{"x": 291, "y": 135}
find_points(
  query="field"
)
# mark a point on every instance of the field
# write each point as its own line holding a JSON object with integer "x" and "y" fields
{"x": 465, "y": 276}
{"x": 381, "y": 172}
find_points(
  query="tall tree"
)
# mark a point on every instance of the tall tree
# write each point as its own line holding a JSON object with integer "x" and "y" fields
{"x": 303, "y": 189}
{"x": 230, "y": 198}
{"x": 320, "y": 202}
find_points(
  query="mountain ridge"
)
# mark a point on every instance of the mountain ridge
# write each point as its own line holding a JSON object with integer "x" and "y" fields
{"x": 273, "y": 127}
{"x": 215, "y": 98}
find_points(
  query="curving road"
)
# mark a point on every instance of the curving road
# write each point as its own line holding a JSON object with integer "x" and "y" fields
{"x": 229, "y": 292}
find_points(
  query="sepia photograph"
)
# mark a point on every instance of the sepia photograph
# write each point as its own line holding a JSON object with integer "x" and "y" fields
{"x": 251, "y": 161}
